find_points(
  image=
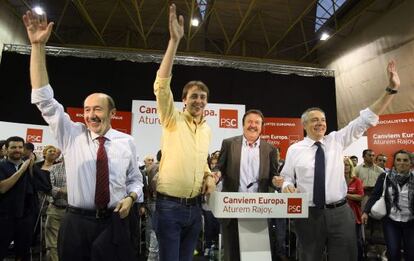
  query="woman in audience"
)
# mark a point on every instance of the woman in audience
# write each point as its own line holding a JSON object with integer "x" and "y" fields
{"x": 42, "y": 168}
{"x": 355, "y": 195}
{"x": 398, "y": 223}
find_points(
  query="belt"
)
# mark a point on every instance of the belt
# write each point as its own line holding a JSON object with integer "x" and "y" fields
{"x": 336, "y": 204}
{"x": 183, "y": 201}
{"x": 96, "y": 213}
{"x": 58, "y": 206}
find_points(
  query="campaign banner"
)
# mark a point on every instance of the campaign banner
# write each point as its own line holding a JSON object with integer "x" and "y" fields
{"x": 392, "y": 133}
{"x": 258, "y": 205}
{"x": 225, "y": 120}
{"x": 282, "y": 132}
{"x": 39, "y": 135}
{"x": 121, "y": 121}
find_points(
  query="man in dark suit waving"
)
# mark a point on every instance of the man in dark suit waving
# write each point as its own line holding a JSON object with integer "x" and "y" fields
{"x": 246, "y": 164}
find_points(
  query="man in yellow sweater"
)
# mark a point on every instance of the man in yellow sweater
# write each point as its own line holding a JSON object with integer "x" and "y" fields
{"x": 184, "y": 174}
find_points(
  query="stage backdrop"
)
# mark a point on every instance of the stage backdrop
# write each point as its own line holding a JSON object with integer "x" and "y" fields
{"x": 73, "y": 79}
{"x": 39, "y": 135}
{"x": 393, "y": 132}
{"x": 225, "y": 120}
{"x": 282, "y": 132}
{"x": 121, "y": 121}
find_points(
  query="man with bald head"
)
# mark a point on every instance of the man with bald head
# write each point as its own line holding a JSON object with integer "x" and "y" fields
{"x": 100, "y": 162}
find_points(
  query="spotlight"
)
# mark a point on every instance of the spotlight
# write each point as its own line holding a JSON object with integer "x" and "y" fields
{"x": 195, "y": 22}
{"x": 324, "y": 36}
{"x": 38, "y": 10}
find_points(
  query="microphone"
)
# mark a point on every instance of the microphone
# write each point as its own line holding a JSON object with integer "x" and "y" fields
{"x": 251, "y": 184}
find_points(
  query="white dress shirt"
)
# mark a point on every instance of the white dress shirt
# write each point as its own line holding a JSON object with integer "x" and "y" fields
{"x": 300, "y": 159}
{"x": 79, "y": 147}
{"x": 249, "y": 166}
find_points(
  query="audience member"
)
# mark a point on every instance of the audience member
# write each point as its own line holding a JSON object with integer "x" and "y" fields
{"x": 398, "y": 224}
{"x": 18, "y": 199}
{"x": 368, "y": 171}
{"x": 354, "y": 196}
{"x": 3, "y": 152}
{"x": 151, "y": 238}
{"x": 381, "y": 160}
{"x": 354, "y": 160}
{"x": 56, "y": 209}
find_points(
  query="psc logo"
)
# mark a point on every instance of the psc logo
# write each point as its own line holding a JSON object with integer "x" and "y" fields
{"x": 228, "y": 119}
{"x": 294, "y": 206}
{"x": 34, "y": 135}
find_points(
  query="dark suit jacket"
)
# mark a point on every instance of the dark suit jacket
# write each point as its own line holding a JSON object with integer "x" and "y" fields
{"x": 229, "y": 164}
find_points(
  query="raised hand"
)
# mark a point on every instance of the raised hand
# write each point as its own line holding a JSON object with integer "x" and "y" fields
{"x": 176, "y": 26}
{"x": 289, "y": 189}
{"x": 37, "y": 27}
{"x": 278, "y": 181}
{"x": 27, "y": 163}
{"x": 393, "y": 75}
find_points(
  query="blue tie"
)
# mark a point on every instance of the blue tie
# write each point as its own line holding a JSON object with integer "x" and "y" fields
{"x": 319, "y": 181}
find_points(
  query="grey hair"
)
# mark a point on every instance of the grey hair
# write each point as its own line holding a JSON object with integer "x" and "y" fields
{"x": 304, "y": 116}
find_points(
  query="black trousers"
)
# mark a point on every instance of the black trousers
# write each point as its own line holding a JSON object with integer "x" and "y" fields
{"x": 330, "y": 229}
{"x": 77, "y": 234}
{"x": 19, "y": 230}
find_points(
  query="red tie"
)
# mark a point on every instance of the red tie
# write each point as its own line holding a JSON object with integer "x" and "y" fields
{"x": 102, "y": 176}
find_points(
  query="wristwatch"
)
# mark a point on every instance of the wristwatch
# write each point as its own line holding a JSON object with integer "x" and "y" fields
{"x": 132, "y": 197}
{"x": 391, "y": 90}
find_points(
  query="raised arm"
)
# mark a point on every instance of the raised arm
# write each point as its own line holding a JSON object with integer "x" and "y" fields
{"x": 38, "y": 31}
{"x": 176, "y": 27}
{"x": 380, "y": 105}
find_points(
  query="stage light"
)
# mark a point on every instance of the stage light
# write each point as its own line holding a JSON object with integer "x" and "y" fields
{"x": 325, "y": 36}
{"x": 195, "y": 22}
{"x": 38, "y": 10}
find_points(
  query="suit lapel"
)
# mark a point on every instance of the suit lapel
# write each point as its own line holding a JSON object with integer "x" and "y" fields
{"x": 262, "y": 160}
{"x": 236, "y": 146}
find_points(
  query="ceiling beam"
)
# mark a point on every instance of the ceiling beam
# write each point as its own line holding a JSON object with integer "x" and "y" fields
{"x": 350, "y": 17}
{"x": 134, "y": 23}
{"x": 59, "y": 22}
{"x": 166, "y": 4}
{"x": 215, "y": 45}
{"x": 266, "y": 37}
{"x": 110, "y": 17}
{"x": 193, "y": 3}
{"x": 88, "y": 20}
{"x": 241, "y": 25}
{"x": 138, "y": 11}
{"x": 292, "y": 25}
{"x": 226, "y": 36}
{"x": 302, "y": 28}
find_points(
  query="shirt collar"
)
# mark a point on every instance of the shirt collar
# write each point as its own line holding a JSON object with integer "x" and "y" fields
{"x": 254, "y": 145}
{"x": 308, "y": 141}
{"x": 109, "y": 135}
{"x": 191, "y": 119}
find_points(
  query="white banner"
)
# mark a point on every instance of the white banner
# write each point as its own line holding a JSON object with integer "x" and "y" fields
{"x": 39, "y": 135}
{"x": 258, "y": 205}
{"x": 225, "y": 120}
